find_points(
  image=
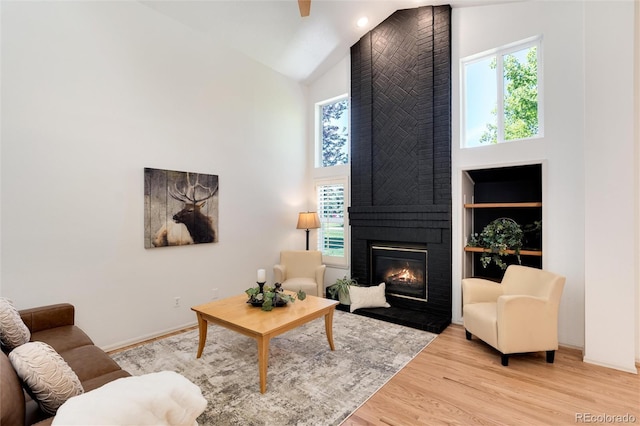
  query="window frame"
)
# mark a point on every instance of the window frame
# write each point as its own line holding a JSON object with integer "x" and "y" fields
{"x": 334, "y": 261}
{"x": 499, "y": 53}
{"x": 318, "y": 131}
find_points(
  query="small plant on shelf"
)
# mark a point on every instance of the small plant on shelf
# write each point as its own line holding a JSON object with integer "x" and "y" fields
{"x": 498, "y": 236}
{"x": 341, "y": 289}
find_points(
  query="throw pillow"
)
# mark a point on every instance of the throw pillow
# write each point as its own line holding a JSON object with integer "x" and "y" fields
{"x": 13, "y": 331}
{"x": 46, "y": 373}
{"x": 368, "y": 297}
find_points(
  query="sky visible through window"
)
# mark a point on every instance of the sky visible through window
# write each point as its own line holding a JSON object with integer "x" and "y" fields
{"x": 481, "y": 93}
{"x": 335, "y": 133}
{"x": 481, "y": 99}
{"x": 343, "y": 124}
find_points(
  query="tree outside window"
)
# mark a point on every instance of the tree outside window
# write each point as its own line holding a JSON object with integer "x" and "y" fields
{"x": 502, "y": 96}
{"x": 331, "y": 179}
{"x": 334, "y": 144}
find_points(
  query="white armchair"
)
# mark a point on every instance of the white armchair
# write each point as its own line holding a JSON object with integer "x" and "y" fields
{"x": 301, "y": 270}
{"x": 516, "y": 316}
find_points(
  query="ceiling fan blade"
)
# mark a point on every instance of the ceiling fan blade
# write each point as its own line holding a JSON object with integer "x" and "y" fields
{"x": 305, "y": 7}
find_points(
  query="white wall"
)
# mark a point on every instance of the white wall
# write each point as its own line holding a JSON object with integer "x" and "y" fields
{"x": 611, "y": 219}
{"x": 335, "y": 82}
{"x": 579, "y": 221}
{"x": 93, "y": 92}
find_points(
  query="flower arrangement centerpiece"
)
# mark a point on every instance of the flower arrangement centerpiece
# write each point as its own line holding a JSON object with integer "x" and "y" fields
{"x": 498, "y": 236}
{"x": 269, "y": 297}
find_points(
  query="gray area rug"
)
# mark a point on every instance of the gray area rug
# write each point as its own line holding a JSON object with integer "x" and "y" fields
{"x": 307, "y": 383}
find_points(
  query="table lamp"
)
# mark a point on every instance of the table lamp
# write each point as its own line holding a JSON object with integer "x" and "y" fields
{"x": 307, "y": 221}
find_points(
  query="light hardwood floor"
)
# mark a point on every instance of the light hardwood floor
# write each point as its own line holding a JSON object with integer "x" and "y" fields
{"x": 458, "y": 382}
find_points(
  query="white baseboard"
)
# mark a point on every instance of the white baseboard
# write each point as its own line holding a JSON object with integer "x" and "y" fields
{"x": 142, "y": 338}
{"x": 632, "y": 370}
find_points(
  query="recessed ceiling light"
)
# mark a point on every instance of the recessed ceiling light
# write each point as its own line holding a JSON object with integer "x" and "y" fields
{"x": 362, "y": 22}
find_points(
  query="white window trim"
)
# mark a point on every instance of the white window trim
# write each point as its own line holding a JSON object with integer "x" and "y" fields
{"x": 499, "y": 53}
{"x": 334, "y": 261}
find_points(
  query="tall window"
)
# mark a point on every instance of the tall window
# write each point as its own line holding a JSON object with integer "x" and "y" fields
{"x": 333, "y": 132}
{"x": 331, "y": 178}
{"x": 332, "y": 199}
{"x": 502, "y": 94}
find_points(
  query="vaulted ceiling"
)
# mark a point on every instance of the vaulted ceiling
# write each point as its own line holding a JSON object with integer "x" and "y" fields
{"x": 273, "y": 33}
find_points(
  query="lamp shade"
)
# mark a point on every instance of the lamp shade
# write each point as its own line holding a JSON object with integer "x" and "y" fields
{"x": 308, "y": 220}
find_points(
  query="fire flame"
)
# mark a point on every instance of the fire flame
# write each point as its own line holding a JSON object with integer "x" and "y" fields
{"x": 404, "y": 275}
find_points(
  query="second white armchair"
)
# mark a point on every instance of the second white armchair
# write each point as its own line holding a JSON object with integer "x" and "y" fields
{"x": 515, "y": 316}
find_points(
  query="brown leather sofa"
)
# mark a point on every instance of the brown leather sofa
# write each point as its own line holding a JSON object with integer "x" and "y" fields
{"x": 54, "y": 325}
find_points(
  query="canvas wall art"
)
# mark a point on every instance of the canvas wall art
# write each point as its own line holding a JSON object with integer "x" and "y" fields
{"x": 181, "y": 208}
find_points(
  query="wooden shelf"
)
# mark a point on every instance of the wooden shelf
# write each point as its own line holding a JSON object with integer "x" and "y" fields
{"x": 501, "y": 205}
{"x": 522, "y": 252}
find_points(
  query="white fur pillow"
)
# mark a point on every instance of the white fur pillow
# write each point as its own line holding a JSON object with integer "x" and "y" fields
{"x": 13, "y": 331}
{"x": 47, "y": 375}
{"x": 367, "y": 297}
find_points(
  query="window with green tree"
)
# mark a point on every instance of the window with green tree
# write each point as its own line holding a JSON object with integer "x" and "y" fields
{"x": 333, "y": 120}
{"x": 502, "y": 94}
{"x": 331, "y": 179}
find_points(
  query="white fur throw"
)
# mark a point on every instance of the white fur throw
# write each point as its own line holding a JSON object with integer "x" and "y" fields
{"x": 48, "y": 376}
{"x": 367, "y": 297}
{"x": 158, "y": 399}
{"x": 13, "y": 332}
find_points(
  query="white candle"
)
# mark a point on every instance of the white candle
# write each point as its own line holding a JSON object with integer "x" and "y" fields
{"x": 262, "y": 276}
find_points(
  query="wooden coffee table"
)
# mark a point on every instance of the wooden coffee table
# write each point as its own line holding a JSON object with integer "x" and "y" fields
{"x": 237, "y": 315}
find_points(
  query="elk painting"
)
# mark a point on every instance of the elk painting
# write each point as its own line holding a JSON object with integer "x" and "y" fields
{"x": 181, "y": 208}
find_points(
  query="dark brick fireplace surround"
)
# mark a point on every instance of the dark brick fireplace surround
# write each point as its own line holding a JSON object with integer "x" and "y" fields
{"x": 401, "y": 155}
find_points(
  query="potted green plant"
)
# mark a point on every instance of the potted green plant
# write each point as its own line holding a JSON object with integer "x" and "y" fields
{"x": 341, "y": 289}
{"x": 498, "y": 236}
{"x": 269, "y": 297}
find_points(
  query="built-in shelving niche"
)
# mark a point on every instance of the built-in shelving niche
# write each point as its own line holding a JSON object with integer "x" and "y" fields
{"x": 513, "y": 192}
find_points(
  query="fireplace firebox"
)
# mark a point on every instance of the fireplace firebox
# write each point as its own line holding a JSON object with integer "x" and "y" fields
{"x": 402, "y": 269}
